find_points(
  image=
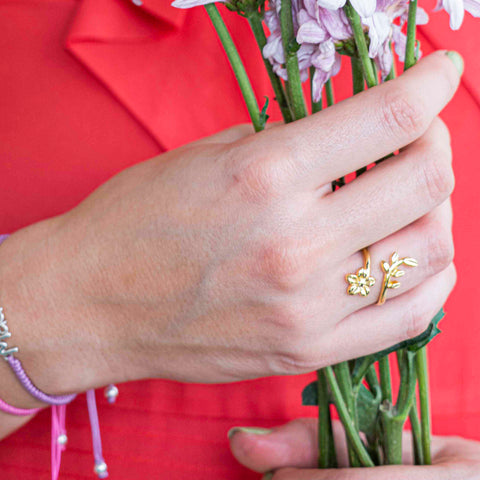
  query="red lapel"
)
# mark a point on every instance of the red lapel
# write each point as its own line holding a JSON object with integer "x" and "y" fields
{"x": 164, "y": 65}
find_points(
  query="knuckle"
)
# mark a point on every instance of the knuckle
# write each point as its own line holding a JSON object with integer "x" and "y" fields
{"x": 440, "y": 248}
{"x": 437, "y": 176}
{"x": 258, "y": 179}
{"x": 403, "y": 114}
{"x": 281, "y": 266}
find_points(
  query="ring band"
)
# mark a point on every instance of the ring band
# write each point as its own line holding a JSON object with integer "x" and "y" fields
{"x": 361, "y": 282}
{"x": 391, "y": 271}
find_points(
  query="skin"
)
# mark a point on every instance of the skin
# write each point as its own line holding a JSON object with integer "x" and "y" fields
{"x": 224, "y": 260}
{"x": 290, "y": 452}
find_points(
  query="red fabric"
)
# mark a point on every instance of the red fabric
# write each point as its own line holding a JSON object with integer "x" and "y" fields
{"x": 90, "y": 87}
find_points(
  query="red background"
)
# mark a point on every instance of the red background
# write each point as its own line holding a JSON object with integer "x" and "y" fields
{"x": 90, "y": 87}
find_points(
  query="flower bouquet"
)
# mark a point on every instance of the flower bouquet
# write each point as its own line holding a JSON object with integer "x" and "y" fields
{"x": 305, "y": 42}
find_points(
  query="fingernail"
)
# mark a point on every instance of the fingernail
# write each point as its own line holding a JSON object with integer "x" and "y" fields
{"x": 457, "y": 60}
{"x": 268, "y": 476}
{"x": 253, "y": 430}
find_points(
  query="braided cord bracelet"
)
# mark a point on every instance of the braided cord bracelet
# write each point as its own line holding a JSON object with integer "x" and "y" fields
{"x": 19, "y": 412}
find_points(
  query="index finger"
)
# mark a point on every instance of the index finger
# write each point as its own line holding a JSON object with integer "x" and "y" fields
{"x": 368, "y": 126}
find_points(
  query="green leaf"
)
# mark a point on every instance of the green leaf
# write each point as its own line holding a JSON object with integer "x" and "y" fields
{"x": 368, "y": 408}
{"x": 263, "y": 114}
{"x": 310, "y": 394}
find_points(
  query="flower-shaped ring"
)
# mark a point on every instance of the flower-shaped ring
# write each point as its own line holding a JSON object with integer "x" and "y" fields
{"x": 361, "y": 282}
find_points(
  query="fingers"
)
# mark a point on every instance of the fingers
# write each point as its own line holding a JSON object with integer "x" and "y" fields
{"x": 377, "y": 473}
{"x": 395, "y": 193}
{"x": 375, "y": 328}
{"x": 364, "y": 128}
{"x": 428, "y": 240}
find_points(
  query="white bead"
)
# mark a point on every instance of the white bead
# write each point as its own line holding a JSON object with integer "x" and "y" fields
{"x": 138, "y": 3}
{"x": 62, "y": 439}
{"x": 111, "y": 393}
{"x": 100, "y": 468}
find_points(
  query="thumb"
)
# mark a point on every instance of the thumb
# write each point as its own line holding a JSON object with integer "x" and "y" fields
{"x": 290, "y": 445}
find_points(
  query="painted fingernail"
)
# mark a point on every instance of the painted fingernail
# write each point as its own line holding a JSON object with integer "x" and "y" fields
{"x": 252, "y": 430}
{"x": 457, "y": 60}
{"x": 268, "y": 476}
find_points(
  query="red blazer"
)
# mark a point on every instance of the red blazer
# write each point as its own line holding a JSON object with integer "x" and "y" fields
{"x": 90, "y": 87}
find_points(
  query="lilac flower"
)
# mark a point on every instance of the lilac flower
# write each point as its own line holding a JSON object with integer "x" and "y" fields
{"x": 193, "y": 3}
{"x": 273, "y": 50}
{"x": 382, "y": 30}
{"x": 456, "y": 10}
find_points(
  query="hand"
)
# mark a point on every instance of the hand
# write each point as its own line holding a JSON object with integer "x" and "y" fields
{"x": 225, "y": 259}
{"x": 290, "y": 452}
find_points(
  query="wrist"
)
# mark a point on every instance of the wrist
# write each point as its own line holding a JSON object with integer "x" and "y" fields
{"x": 50, "y": 323}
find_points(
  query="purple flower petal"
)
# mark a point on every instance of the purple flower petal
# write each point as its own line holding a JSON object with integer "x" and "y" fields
{"x": 331, "y": 4}
{"x": 335, "y": 24}
{"x": 422, "y": 16}
{"x": 324, "y": 56}
{"x": 473, "y": 7}
{"x": 311, "y": 32}
{"x": 365, "y": 8}
{"x": 456, "y": 11}
{"x": 193, "y": 3}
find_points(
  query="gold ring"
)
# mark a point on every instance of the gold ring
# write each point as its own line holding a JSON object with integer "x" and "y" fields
{"x": 361, "y": 282}
{"x": 391, "y": 271}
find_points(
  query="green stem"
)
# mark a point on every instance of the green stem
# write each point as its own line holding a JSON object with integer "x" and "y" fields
{"x": 237, "y": 66}
{"x": 326, "y": 445}
{"x": 361, "y": 43}
{"x": 421, "y": 365}
{"x": 392, "y": 427}
{"x": 291, "y": 62}
{"x": 393, "y": 72}
{"x": 408, "y": 383}
{"x": 329, "y": 92}
{"x": 348, "y": 423}
{"x": 257, "y": 29}
{"x": 357, "y": 75}
{"x": 410, "y": 58}
{"x": 385, "y": 378}
{"x": 416, "y": 435}
{"x": 316, "y": 106}
{"x": 342, "y": 374}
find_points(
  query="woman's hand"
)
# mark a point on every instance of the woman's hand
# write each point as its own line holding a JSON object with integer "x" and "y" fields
{"x": 290, "y": 452}
{"x": 225, "y": 259}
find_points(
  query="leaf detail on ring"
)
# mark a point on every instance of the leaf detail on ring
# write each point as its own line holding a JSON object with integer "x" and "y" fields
{"x": 411, "y": 262}
{"x": 399, "y": 273}
{"x": 386, "y": 267}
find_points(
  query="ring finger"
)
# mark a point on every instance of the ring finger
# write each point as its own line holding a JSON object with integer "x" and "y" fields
{"x": 428, "y": 240}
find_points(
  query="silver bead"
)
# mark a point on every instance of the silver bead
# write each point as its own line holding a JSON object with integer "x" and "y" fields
{"x": 100, "y": 468}
{"x": 138, "y": 3}
{"x": 111, "y": 393}
{"x": 62, "y": 439}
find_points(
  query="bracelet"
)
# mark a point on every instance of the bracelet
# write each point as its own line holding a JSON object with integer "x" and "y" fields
{"x": 19, "y": 412}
